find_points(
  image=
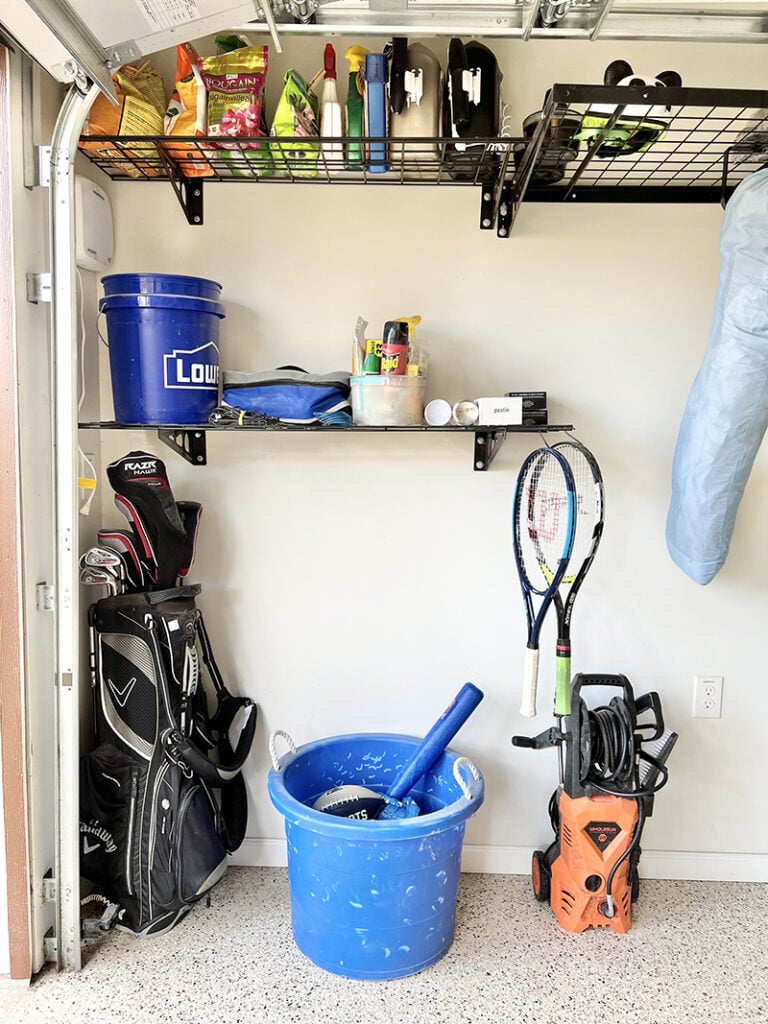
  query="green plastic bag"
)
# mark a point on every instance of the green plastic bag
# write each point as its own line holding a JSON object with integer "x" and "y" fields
{"x": 295, "y": 118}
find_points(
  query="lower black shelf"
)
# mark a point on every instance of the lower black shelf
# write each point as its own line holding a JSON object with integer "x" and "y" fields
{"x": 189, "y": 440}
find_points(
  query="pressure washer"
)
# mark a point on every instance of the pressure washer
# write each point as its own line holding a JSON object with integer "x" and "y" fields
{"x": 614, "y": 765}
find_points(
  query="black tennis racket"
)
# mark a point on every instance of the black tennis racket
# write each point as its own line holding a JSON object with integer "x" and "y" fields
{"x": 543, "y": 526}
{"x": 590, "y": 507}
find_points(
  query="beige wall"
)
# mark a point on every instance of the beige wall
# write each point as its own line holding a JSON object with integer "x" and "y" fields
{"x": 354, "y": 583}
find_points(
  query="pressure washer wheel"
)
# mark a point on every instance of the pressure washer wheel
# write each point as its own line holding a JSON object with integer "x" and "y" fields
{"x": 540, "y": 877}
{"x": 634, "y": 874}
{"x": 634, "y": 882}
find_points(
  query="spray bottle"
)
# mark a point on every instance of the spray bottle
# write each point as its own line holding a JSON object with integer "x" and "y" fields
{"x": 355, "y": 93}
{"x": 417, "y": 353}
{"x": 376, "y": 111}
{"x": 330, "y": 112}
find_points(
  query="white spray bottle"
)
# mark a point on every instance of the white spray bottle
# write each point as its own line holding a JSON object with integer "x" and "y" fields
{"x": 330, "y": 114}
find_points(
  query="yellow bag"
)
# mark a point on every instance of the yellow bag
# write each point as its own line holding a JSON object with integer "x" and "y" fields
{"x": 139, "y": 111}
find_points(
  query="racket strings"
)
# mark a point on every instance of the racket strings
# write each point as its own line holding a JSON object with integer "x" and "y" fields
{"x": 544, "y": 519}
{"x": 588, "y": 495}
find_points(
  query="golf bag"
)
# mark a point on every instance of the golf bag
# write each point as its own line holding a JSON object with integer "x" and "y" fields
{"x": 162, "y": 797}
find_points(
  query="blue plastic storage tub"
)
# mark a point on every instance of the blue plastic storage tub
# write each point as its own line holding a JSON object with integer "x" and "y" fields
{"x": 372, "y": 900}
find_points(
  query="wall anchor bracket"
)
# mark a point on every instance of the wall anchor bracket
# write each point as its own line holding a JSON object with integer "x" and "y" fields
{"x": 189, "y": 191}
{"x": 487, "y": 196}
{"x": 186, "y": 442}
{"x": 487, "y": 444}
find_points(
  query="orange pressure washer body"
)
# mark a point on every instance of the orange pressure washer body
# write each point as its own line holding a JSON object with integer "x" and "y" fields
{"x": 594, "y": 833}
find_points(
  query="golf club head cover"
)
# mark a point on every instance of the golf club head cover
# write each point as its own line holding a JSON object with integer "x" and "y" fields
{"x": 190, "y": 513}
{"x": 144, "y": 496}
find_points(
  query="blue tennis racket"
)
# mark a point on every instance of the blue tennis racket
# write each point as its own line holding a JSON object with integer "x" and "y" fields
{"x": 543, "y": 528}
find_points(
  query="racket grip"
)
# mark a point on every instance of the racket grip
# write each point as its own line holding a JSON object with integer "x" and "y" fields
{"x": 530, "y": 682}
{"x": 563, "y": 684}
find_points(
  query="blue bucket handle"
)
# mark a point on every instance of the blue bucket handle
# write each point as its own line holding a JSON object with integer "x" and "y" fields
{"x": 140, "y": 300}
{"x": 280, "y": 734}
{"x": 102, "y": 339}
{"x": 464, "y": 762}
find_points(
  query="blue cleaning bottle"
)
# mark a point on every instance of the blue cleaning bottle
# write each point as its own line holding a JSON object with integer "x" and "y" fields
{"x": 376, "y": 110}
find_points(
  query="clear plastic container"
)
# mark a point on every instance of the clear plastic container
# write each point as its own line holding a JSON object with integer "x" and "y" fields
{"x": 388, "y": 401}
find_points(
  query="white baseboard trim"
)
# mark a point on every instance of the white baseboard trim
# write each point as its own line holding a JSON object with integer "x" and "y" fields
{"x": 516, "y": 860}
{"x": 261, "y": 853}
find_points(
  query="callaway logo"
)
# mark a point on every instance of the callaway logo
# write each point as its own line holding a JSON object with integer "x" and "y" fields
{"x": 100, "y": 834}
{"x": 121, "y": 696}
{"x": 148, "y": 466}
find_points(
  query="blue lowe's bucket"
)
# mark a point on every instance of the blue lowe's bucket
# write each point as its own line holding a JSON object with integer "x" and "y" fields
{"x": 373, "y": 900}
{"x": 163, "y": 351}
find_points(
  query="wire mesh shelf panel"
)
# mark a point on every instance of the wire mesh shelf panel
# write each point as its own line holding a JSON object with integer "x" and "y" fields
{"x": 645, "y": 142}
{"x": 369, "y": 161}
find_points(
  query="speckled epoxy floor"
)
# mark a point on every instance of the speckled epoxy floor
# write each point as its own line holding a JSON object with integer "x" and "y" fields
{"x": 697, "y": 953}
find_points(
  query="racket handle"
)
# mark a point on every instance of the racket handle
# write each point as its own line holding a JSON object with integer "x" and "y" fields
{"x": 563, "y": 684}
{"x": 530, "y": 682}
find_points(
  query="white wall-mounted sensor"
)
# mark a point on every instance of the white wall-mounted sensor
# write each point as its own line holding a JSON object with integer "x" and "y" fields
{"x": 94, "y": 230}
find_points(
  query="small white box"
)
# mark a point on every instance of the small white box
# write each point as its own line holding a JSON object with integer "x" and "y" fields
{"x": 502, "y": 411}
{"x": 94, "y": 229}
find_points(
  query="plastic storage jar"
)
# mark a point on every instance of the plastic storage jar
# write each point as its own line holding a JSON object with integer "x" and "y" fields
{"x": 388, "y": 401}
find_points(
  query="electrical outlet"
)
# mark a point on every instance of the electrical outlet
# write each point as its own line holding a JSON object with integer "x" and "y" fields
{"x": 707, "y": 696}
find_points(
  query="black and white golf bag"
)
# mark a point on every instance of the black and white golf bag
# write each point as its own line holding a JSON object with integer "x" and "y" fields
{"x": 162, "y": 797}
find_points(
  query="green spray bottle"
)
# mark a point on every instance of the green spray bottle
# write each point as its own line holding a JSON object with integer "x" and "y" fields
{"x": 355, "y": 93}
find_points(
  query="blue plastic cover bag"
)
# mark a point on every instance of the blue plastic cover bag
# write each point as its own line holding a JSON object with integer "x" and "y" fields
{"x": 727, "y": 411}
{"x": 288, "y": 393}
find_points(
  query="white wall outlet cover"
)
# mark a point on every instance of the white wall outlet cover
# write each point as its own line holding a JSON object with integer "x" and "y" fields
{"x": 94, "y": 227}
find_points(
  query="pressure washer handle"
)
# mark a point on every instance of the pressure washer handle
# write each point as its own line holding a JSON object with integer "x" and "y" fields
{"x": 549, "y": 738}
{"x": 650, "y": 702}
{"x": 582, "y": 679}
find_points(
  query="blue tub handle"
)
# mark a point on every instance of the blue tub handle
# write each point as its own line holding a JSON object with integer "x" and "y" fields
{"x": 466, "y": 763}
{"x": 279, "y": 734}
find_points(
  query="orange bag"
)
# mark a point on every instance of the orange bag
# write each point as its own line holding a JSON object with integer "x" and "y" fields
{"x": 187, "y": 114}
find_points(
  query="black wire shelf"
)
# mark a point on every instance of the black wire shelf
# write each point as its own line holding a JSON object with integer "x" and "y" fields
{"x": 588, "y": 143}
{"x": 189, "y": 440}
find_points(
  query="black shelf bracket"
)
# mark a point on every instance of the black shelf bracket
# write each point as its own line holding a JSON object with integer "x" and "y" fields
{"x": 487, "y": 193}
{"x": 189, "y": 191}
{"x": 487, "y": 444}
{"x": 506, "y": 209}
{"x": 190, "y": 444}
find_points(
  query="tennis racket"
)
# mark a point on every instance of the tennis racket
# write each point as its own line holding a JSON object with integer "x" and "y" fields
{"x": 543, "y": 525}
{"x": 590, "y": 507}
